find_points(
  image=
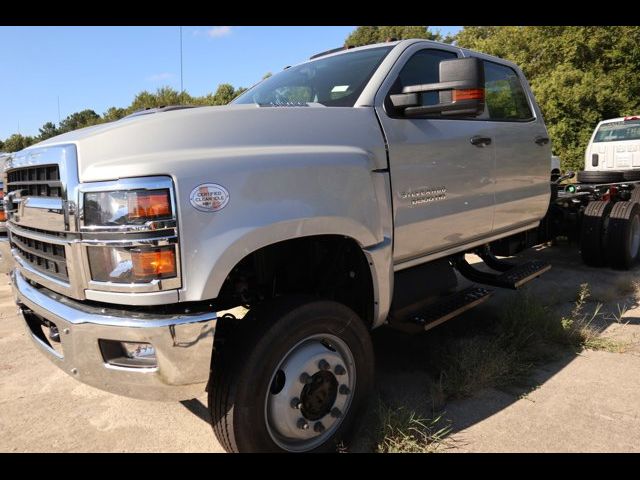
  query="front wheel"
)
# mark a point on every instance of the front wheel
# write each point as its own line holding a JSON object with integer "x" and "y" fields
{"x": 292, "y": 378}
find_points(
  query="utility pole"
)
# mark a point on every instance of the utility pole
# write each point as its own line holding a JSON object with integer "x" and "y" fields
{"x": 181, "y": 82}
{"x": 58, "y": 110}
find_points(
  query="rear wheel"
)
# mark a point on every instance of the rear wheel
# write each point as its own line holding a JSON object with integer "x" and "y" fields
{"x": 623, "y": 235}
{"x": 592, "y": 234}
{"x": 596, "y": 176}
{"x": 292, "y": 378}
{"x": 635, "y": 194}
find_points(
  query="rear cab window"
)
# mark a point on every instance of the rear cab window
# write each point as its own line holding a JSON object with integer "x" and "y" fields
{"x": 618, "y": 131}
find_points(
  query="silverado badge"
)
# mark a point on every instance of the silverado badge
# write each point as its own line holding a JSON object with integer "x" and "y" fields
{"x": 209, "y": 197}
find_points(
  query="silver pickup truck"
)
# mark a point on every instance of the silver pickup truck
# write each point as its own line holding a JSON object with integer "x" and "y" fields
{"x": 334, "y": 197}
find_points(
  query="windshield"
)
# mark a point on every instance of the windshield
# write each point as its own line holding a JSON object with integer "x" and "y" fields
{"x": 335, "y": 81}
{"x": 616, "y": 131}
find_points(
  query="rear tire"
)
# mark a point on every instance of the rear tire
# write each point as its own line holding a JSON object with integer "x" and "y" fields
{"x": 635, "y": 194}
{"x": 592, "y": 234}
{"x": 257, "y": 397}
{"x": 592, "y": 176}
{"x": 623, "y": 235}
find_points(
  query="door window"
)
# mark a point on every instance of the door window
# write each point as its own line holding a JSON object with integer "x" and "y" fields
{"x": 423, "y": 67}
{"x": 505, "y": 97}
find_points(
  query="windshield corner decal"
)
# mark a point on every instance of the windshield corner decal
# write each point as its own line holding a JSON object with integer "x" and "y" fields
{"x": 209, "y": 197}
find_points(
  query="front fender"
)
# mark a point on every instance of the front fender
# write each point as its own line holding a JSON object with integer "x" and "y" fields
{"x": 321, "y": 191}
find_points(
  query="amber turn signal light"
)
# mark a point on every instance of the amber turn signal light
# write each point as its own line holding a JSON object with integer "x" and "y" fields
{"x": 149, "y": 204}
{"x": 154, "y": 264}
{"x": 3, "y": 216}
{"x": 468, "y": 94}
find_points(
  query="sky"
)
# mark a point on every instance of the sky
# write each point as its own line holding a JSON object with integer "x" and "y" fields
{"x": 101, "y": 67}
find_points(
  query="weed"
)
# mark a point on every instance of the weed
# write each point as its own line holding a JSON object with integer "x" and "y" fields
{"x": 403, "y": 431}
{"x": 580, "y": 331}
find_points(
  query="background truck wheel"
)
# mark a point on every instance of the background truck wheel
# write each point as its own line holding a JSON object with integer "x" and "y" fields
{"x": 631, "y": 175}
{"x": 635, "y": 194}
{"x": 291, "y": 378}
{"x": 592, "y": 234}
{"x": 623, "y": 235}
{"x": 585, "y": 176}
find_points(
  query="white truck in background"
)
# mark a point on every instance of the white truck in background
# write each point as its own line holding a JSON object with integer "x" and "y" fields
{"x": 600, "y": 211}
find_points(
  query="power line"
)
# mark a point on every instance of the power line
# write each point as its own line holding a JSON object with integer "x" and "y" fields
{"x": 181, "y": 82}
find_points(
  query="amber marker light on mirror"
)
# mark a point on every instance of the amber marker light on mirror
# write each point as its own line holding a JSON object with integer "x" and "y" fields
{"x": 468, "y": 94}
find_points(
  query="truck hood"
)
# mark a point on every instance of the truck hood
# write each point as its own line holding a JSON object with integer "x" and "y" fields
{"x": 151, "y": 144}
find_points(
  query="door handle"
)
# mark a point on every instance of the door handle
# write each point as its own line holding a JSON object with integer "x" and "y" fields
{"x": 541, "y": 140}
{"x": 479, "y": 141}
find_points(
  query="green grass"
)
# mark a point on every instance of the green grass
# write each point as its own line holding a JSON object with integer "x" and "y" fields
{"x": 403, "y": 431}
{"x": 514, "y": 342}
{"x": 497, "y": 351}
{"x": 578, "y": 327}
{"x": 524, "y": 334}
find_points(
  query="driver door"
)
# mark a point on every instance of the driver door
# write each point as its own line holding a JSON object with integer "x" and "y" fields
{"x": 442, "y": 183}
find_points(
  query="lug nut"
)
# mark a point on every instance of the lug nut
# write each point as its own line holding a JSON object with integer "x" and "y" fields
{"x": 318, "y": 427}
{"x": 305, "y": 378}
{"x": 323, "y": 365}
{"x": 340, "y": 370}
{"x": 335, "y": 412}
{"x": 344, "y": 390}
{"x": 295, "y": 403}
{"x": 302, "y": 424}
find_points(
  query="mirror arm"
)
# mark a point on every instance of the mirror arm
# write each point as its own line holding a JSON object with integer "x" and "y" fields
{"x": 404, "y": 100}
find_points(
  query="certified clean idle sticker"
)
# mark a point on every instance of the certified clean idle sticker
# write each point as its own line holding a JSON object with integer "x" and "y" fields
{"x": 209, "y": 197}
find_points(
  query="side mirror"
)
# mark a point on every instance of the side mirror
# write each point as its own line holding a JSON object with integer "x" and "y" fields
{"x": 461, "y": 91}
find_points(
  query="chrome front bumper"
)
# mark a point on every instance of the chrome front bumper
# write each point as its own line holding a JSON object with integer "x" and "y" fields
{"x": 183, "y": 344}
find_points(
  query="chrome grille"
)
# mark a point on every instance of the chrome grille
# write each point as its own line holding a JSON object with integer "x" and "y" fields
{"x": 38, "y": 181}
{"x": 45, "y": 257}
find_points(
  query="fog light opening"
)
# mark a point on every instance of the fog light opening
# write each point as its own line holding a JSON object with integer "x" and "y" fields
{"x": 128, "y": 354}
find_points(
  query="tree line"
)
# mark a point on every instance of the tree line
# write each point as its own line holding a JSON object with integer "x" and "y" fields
{"x": 579, "y": 75}
{"x": 86, "y": 118}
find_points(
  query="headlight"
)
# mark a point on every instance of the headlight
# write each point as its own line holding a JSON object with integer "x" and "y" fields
{"x": 126, "y": 207}
{"x": 131, "y": 234}
{"x": 133, "y": 264}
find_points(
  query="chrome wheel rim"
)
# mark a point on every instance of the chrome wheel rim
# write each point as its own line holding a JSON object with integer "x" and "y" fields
{"x": 634, "y": 244}
{"x": 310, "y": 393}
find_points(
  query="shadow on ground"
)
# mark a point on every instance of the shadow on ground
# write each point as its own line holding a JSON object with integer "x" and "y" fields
{"x": 409, "y": 373}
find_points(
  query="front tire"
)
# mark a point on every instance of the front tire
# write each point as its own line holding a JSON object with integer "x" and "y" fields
{"x": 292, "y": 378}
